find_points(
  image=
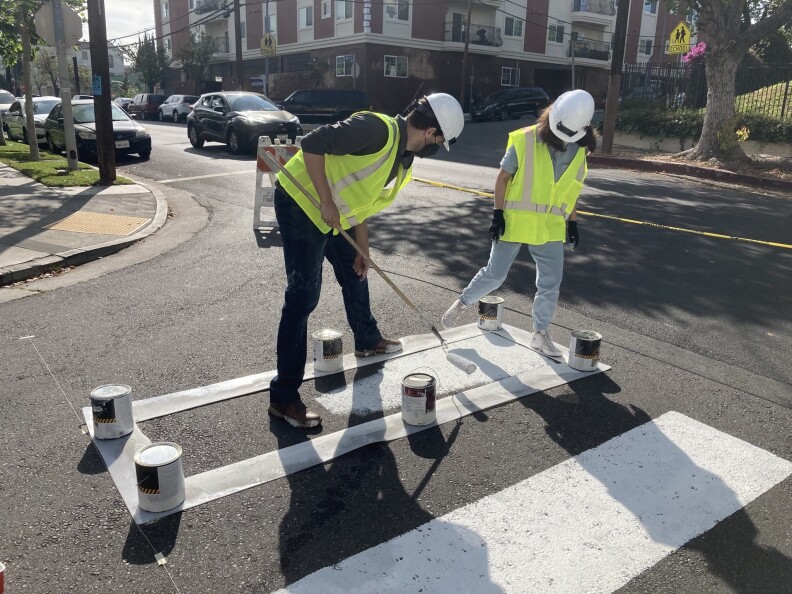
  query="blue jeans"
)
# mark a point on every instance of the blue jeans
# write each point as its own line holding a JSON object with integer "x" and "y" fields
{"x": 304, "y": 249}
{"x": 549, "y": 259}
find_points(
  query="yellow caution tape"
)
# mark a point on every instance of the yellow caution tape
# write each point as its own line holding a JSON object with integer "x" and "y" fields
{"x": 620, "y": 219}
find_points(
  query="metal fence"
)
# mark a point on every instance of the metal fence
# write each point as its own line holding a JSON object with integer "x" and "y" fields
{"x": 760, "y": 91}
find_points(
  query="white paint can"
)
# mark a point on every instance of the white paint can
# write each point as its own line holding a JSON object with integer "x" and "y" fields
{"x": 418, "y": 399}
{"x": 584, "y": 350}
{"x": 327, "y": 349}
{"x": 160, "y": 476}
{"x": 111, "y": 406}
{"x": 490, "y": 313}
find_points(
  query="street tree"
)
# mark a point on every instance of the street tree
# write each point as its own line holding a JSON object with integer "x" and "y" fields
{"x": 151, "y": 62}
{"x": 195, "y": 57}
{"x": 45, "y": 69}
{"x": 728, "y": 40}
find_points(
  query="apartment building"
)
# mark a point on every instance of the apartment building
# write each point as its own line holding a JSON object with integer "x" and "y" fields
{"x": 394, "y": 49}
{"x": 115, "y": 58}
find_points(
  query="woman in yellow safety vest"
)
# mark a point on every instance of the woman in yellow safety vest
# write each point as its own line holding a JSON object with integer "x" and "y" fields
{"x": 536, "y": 192}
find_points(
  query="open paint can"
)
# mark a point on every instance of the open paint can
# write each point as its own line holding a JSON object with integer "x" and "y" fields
{"x": 327, "y": 349}
{"x": 490, "y": 313}
{"x": 111, "y": 406}
{"x": 160, "y": 476}
{"x": 584, "y": 350}
{"x": 418, "y": 399}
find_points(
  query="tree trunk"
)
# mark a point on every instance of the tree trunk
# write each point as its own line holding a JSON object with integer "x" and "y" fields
{"x": 31, "y": 123}
{"x": 718, "y": 138}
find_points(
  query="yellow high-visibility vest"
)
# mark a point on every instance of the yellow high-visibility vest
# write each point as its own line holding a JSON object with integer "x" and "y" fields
{"x": 537, "y": 206}
{"x": 357, "y": 182}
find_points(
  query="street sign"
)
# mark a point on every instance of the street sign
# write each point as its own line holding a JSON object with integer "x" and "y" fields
{"x": 269, "y": 45}
{"x": 45, "y": 25}
{"x": 96, "y": 81}
{"x": 679, "y": 41}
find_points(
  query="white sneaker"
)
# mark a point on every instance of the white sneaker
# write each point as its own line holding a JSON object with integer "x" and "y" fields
{"x": 451, "y": 316}
{"x": 541, "y": 341}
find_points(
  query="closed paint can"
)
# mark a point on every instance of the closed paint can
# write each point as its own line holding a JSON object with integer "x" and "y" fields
{"x": 490, "y": 313}
{"x": 584, "y": 350}
{"x": 111, "y": 406}
{"x": 160, "y": 476}
{"x": 418, "y": 399}
{"x": 327, "y": 348}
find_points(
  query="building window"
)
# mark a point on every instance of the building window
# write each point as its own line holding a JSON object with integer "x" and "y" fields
{"x": 396, "y": 66}
{"x": 325, "y": 9}
{"x": 84, "y": 55}
{"x": 273, "y": 24}
{"x": 192, "y": 4}
{"x": 344, "y": 65}
{"x": 164, "y": 10}
{"x": 555, "y": 33}
{"x": 243, "y": 29}
{"x": 344, "y": 9}
{"x": 645, "y": 47}
{"x": 167, "y": 45}
{"x": 110, "y": 62}
{"x": 306, "y": 17}
{"x": 513, "y": 27}
{"x": 397, "y": 10}
{"x": 650, "y": 6}
{"x": 510, "y": 77}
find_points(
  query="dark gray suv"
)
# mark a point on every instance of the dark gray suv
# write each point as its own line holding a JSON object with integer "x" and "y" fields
{"x": 325, "y": 106}
{"x": 510, "y": 103}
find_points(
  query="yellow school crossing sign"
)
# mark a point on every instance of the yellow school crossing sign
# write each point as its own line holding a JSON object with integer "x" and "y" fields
{"x": 679, "y": 41}
{"x": 269, "y": 45}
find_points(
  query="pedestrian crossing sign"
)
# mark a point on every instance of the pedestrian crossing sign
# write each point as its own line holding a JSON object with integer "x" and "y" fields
{"x": 269, "y": 46}
{"x": 679, "y": 41}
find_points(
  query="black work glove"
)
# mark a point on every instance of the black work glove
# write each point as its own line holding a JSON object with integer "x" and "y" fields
{"x": 572, "y": 234}
{"x": 498, "y": 226}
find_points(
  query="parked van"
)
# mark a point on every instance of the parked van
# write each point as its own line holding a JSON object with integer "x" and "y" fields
{"x": 325, "y": 106}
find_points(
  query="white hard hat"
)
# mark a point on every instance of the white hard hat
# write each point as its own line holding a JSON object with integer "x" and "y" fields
{"x": 448, "y": 114}
{"x": 570, "y": 115}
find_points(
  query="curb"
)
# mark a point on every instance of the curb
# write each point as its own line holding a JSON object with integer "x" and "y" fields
{"x": 78, "y": 256}
{"x": 604, "y": 162}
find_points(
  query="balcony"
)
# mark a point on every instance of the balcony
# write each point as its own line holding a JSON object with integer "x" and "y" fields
{"x": 209, "y": 6}
{"x": 599, "y": 12}
{"x": 482, "y": 35}
{"x": 221, "y": 44}
{"x": 591, "y": 50}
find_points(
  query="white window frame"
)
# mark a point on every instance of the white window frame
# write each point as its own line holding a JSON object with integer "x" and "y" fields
{"x": 165, "y": 10}
{"x": 341, "y": 7}
{"x": 645, "y": 47}
{"x": 391, "y": 64}
{"x": 302, "y": 17}
{"x": 327, "y": 9}
{"x": 515, "y": 22}
{"x": 553, "y": 31}
{"x": 273, "y": 24}
{"x": 347, "y": 64}
{"x": 392, "y": 10}
{"x": 650, "y": 6}
{"x": 511, "y": 72}
{"x": 167, "y": 44}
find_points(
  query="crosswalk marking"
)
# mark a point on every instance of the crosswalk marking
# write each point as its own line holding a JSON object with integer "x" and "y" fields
{"x": 589, "y": 524}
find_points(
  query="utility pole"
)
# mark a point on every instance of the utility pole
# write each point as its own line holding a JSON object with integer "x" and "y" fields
{"x": 65, "y": 89}
{"x": 614, "y": 84}
{"x": 463, "y": 84}
{"x": 76, "y": 76}
{"x": 105, "y": 144}
{"x": 238, "y": 44}
{"x": 267, "y": 58}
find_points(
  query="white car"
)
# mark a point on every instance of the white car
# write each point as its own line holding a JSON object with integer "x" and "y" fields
{"x": 6, "y": 99}
{"x": 176, "y": 107}
{"x": 16, "y": 122}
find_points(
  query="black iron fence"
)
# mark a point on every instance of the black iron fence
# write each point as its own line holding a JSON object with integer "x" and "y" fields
{"x": 604, "y": 7}
{"x": 592, "y": 50}
{"x": 760, "y": 91}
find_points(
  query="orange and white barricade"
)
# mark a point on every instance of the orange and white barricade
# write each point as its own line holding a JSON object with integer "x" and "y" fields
{"x": 265, "y": 194}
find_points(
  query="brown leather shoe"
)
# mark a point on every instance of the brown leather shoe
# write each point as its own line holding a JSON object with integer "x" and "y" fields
{"x": 296, "y": 415}
{"x": 382, "y": 347}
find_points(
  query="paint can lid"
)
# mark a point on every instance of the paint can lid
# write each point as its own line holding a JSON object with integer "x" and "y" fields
{"x": 326, "y": 334}
{"x": 587, "y": 335}
{"x": 418, "y": 380}
{"x": 491, "y": 299}
{"x": 110, "y": 391}
{"x": 158, "y": 454}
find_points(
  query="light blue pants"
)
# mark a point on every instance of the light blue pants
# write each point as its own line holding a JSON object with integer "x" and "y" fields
{"x": 549, "y": 259}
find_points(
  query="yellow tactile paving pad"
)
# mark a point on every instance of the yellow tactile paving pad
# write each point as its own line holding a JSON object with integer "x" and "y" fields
{"x": 100, "y": 223}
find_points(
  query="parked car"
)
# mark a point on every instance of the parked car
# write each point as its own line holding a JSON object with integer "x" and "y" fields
{"x": 122, "y": 102}
{"x": 510, "y": 103}
{"x": 176, "y": 107}
{"x": 82, "y": 97}
{"x": 325, "y": 106}
{"x": 16, "y": 121}
{"x": 6, "y": 99}
{"x": 639, "y": 96}
{"x": 238, "y": 118}
{"x": 145, "y": 106}
{"x": 130, "y": 136}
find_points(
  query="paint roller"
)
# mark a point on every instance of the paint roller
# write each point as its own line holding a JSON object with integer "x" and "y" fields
{"x": 456, "y": 360}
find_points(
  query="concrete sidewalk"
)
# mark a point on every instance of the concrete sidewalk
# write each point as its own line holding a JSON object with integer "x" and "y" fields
{"x": 42, "y": 229}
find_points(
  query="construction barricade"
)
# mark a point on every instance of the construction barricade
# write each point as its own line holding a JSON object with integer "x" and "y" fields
{"x": 265, "y": 194}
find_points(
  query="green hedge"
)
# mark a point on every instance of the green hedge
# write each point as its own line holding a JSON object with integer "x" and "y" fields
{"x": 687, "y": 123}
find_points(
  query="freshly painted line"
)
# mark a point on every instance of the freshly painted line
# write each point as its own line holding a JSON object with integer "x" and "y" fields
{"x": 181, "y": 179}
{"x": 621, "y": 219}
{"x": 589, "y": 524}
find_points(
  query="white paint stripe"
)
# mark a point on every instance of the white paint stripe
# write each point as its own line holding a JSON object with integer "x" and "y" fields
{"x": 589, "y": 524}
{"x": 182, "y": 179}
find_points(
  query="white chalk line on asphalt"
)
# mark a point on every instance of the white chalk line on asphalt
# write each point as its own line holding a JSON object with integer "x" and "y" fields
{"x": 210, "y": 175}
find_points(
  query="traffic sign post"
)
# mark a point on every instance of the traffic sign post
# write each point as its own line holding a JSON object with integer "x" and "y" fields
{"x": 679, "y": 40}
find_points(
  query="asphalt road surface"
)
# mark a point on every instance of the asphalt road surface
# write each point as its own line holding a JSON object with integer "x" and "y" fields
{"x": 696, "y": 329}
